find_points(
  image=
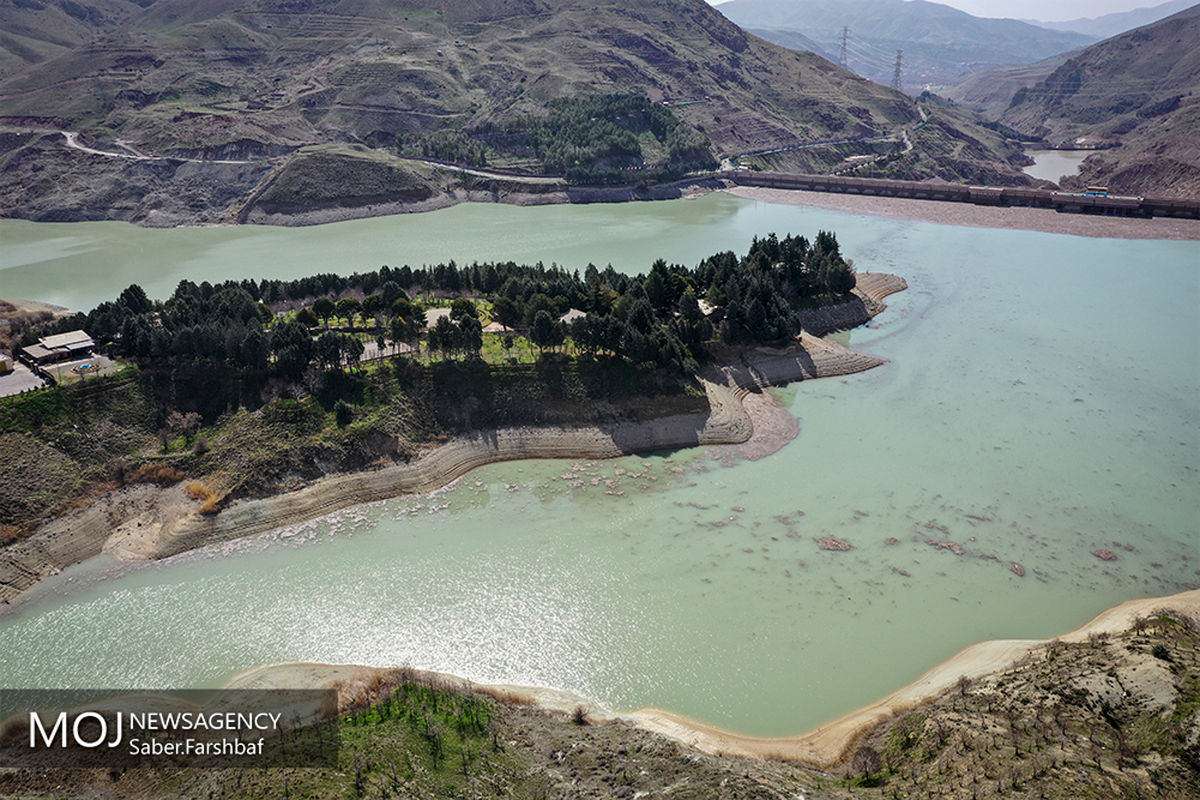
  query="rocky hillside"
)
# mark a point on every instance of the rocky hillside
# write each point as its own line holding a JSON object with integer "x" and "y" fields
{"x": 1110, "y": 717}
{"x": 254, "y": 81}
{"x": 1138, "y": 96}
{"x": 992, "y": 89}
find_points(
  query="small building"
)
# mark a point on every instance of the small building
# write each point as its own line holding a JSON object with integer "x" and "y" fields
{"x": 496, "y": 327}
{"x": 572, "y": 315}
{"x": 6, "y": 364}
{"x": 709, "y": 310}
{"x": 59, "y": 347}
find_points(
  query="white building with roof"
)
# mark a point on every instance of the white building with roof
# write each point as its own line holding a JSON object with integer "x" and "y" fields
{"x": 60, "y": 347}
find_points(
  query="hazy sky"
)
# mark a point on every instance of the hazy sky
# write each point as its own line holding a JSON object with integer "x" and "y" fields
{"x": 1042, "y": 9}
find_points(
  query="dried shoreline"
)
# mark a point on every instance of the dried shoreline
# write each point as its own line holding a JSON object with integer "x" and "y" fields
{"x": 147, "y": 523}
{"x": 969, "y": 215}
{"x": 825, "y": 748}
{"x": 936, "y": 211}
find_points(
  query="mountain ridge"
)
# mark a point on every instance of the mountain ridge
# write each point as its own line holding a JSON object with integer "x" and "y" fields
{"x": 941, "y": 44}
{"x": 260, "y": 77}
{"x": 1109, "y": 25}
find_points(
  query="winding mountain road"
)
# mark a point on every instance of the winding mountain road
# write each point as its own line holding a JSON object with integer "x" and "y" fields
{"x": 72, "y": 138}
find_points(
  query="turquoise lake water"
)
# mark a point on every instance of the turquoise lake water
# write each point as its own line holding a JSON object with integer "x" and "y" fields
{"x": 1041, "y": 401}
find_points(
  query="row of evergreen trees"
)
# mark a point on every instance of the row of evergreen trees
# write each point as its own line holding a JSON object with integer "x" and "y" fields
{"x": 596, "y": 140}
{"x": 593, "y": 140}
{"x": 651, "y": 318}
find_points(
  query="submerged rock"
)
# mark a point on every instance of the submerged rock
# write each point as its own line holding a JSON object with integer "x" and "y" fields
{"x": 830, "y": 543}
{"x": 953, "y": 547}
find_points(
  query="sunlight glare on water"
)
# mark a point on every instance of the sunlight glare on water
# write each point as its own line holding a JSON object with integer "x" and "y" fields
{"x": 1039, "y": 403}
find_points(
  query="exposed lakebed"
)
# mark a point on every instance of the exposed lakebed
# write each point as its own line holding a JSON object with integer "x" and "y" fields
{"x": 1039, "y": 406}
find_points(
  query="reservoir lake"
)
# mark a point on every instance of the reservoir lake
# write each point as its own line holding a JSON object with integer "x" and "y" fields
{"x": 1041, "y": 401}
{"x": 1053, "y": 165}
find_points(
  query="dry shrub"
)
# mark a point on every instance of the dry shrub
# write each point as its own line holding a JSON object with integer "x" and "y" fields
{"x": 118, "y": 472}
{"x": 198, "y": 490}
{"x": 10, "y": 533}
{"x": 159, "y": 473}
{"x": 1189, "y": 622}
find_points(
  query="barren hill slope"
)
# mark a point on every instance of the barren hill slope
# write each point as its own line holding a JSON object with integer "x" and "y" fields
{"x": 248, "y": 79}
{"x": 35, "y": 30}
{"x": 1138, "y": 93}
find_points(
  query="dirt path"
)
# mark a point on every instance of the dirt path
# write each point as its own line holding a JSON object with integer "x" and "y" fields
{"x": 133, "y": 154}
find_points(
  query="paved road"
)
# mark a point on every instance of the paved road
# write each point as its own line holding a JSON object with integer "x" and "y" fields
{"x": 486, "y": 173}
{"x": 19, "y": 380}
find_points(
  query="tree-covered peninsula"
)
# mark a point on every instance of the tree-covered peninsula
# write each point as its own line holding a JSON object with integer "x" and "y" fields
{"x": 256, "y": 386}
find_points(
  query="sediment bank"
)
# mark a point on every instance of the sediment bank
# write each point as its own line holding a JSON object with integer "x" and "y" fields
{"x": 489, "y": 191}
{"x": 145, "y": 522}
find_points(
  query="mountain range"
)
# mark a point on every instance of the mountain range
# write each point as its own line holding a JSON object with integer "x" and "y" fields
{"x": 275, "y": 84}
{"x": 1113, "y": 24}
{"x": 941, "y": 45}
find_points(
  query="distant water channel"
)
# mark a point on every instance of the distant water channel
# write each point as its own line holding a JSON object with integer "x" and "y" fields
{"x": 1040, "y": 403}
{"x": 1053, "y": 165}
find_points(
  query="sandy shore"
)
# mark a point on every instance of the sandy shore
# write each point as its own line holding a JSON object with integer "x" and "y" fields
{"x": 144, "y": 522}
{"x": 15, "y": 307}
{"x": 825, "y": 747}
{"x": 968, "y": 214}
{"x": 829, "y": 744}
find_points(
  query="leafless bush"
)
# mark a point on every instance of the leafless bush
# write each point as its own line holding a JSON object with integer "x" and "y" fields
{"x": 866, "y": 762}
